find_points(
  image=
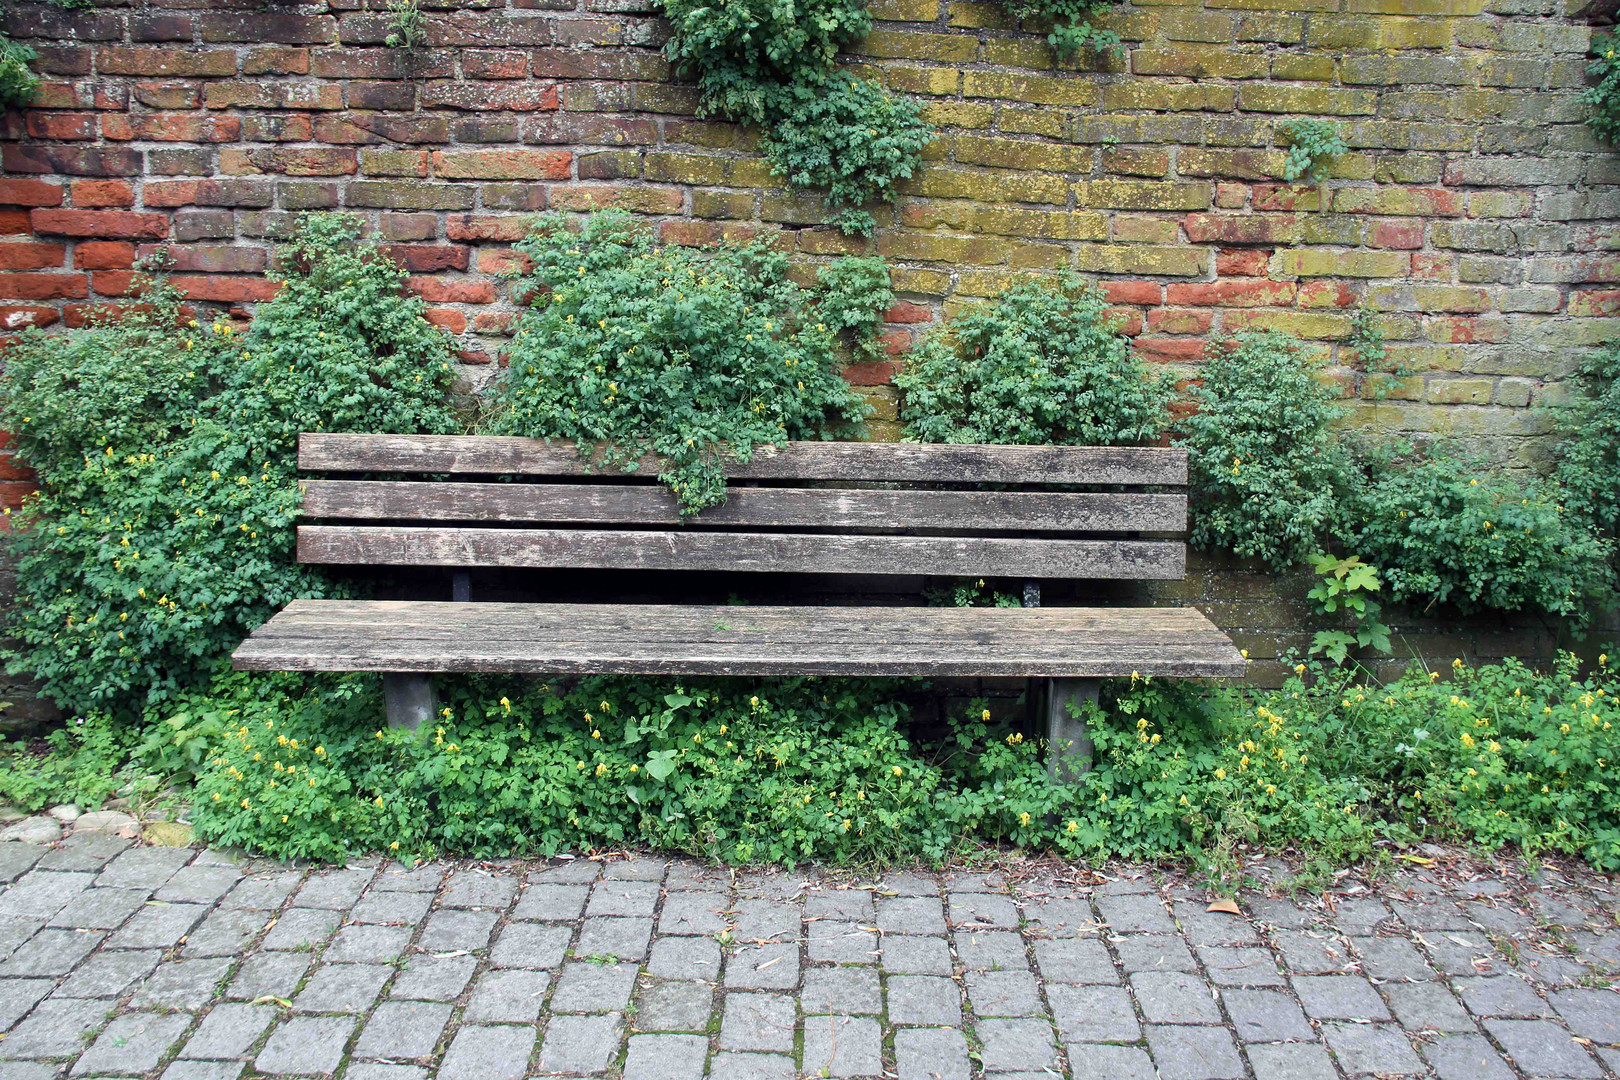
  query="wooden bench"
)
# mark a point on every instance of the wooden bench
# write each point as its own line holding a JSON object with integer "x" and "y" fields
{"x": 1028, "y": 513}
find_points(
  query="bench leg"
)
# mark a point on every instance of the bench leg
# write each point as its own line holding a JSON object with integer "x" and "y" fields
{"x": 1068, "y": 744}
{"x": 409, "y": 699}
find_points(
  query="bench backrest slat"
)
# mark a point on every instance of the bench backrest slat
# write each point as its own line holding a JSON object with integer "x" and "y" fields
{"x": 748, "y": 507}
{"x": 611, "y": 549}
{"x": 497, "y": 455}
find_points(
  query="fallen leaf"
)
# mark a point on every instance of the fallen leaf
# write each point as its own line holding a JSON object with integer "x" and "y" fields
{"x": 1226, "y": 904}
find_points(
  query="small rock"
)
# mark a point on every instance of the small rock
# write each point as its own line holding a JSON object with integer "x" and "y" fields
{"x": 107, "y": 821}
{"x": 168, "y": 834}
{"x": 9, "y": 814}
{"x": 115, "y": 804}
{"x": 33, "y": 830}
{"x": 67, "y": 813}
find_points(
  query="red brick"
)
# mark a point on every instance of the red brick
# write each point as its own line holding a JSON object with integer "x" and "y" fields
{"x": 871, "y": 373}
{"x": 1236, "y": 229}
{"x": 168, "y": 95}
{"x": 16, "y": 318}
{"x": 448, "y": 318}
{"x": 186, "y": 63}
{"x": 15, "y": 223}
{"x": 1600, "y": 304}
{"x": 500, "y": 97}
{"x": 1433, "y": 267}
{"x": 169, "y": 193}
{"x": 276, "y": 62}
{"x": 228, "y": 290}
{"x": 160, "y": 28}
{"x": 18, "y": 192}
{"x": 32, "y": 256}
{"x": 427, "y": 258}
{"x": 1321, "y": 294}
{"x": 103, "y": 255}
{"x": 460, "y": 291}
{"x": 470, "y": 227}
{"x": 12, "y": 468}
{"x": 895, "y": 342}
{"x": 502, "y": 261}
{"x": 125, "y": 224}
{"x": 174, "y": 127}
{"x": 1132, "y": 292}
{"x": 102, "y": 193}
{"x": 1466, "y": 330}
{"x": 1232, "y": 292}
{"x": 62, "y": 125}
{"x": 1180, "y": 321}
{"x": 1241, "y": 262}
{"x": 211, "y": 258}
{"x": 493, "y": 322}
{"x": 12, "y": 494}
{"x": 1285, "y": 197}
{"x": 113, "y": 282}
{"x": 1231, "y": 196}
{"x": 258, "y": 127}
{"x": 502, "y": 164}
{"x": 1170, "y": 350}
{"x": 409, "y": 226}
{"x": 1400, "y": 235}
{"x": 43, "y": 286}
{"x": 301, "y": 161}
{"x": 71, "y": 160}
{"x": 904, "y": 311}
{"x": 489, "y": 64}
{"x": 1127, "y": 321}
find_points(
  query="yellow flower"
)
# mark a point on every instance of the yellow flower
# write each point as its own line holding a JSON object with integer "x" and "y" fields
{"x": 394, "y": 846}
{"x": 985, "y": 715}
{"x": 1072, "y": 827}
{"x": 378, "y": 800}
{"x": 244, "y": 804}
{"x": 1299, "y": 669}
{"x": 898, "y": 771}
{"x": 1220, "y": 774}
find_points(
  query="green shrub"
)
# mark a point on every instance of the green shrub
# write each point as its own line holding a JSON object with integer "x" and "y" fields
{"x": 1446, "y": 529}
{"x": 1589, "y": 454}
{"x": 852, "y": 297}
{"x": 1042, "y": 363}
{"x": 656, "y": 349}
{"x": 167, "y": 449}
{"x": 1604, "y": 98}
{"x": 1268, "y": 474}
{"x": 17, "y": 81}
{"x": 771, "y": 64}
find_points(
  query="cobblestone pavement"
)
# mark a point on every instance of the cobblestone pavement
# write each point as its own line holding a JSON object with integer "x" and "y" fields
{"x": 125, "y": 961}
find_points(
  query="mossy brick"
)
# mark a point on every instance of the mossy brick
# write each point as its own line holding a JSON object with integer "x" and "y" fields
{"x": 1311, "y": 67}
{"x": 1397, "y": 135}
{"x": 395, "y": 162}
{"x": 1136, "y": 229}
{"x": 1276, "y": 29}
{"x": 1390, "y": 32}
{"x": 524, "y": 96}
{"x": 503, "y": 164}
{"x": 1030, "y": 256}
{"x": 1232, "y": 293}
{"x": 1142, "y": 195}
{"x": 1530, "y": 299}
{"x": 308, "y": 196}
{"x": 1498, "y": 236}
{"x": 918, "y": 45}
{"x": 1019, "y": 52}
{"x": 723, "y": 204}
{"x": 1314, "y": 100}
{"x": 1312, "y": 326}
{"x": 1333, "y": 294}
{"x": 1032, "y": 89}
{"x": 492, "y": 129}
{"x": 1136, "y": 161}
{"x": 1459, "y": 390}
{"x": 407, "y": 195}
{"x": 644, "y": 199}
{"x": 1169, "y": 97}
{"x": 1138, "y": 129}
{"x": 1574, "y": 269}
{"x": 937, "y": 247}
{"x": 1398, "y": 201}
{"x": 970, "y": 15}
{"x": 179, "y": 63}
{"x": 610, "y": 165}
{"x": 753, "y": 172}
{"x": 1586, "y": 205}
{"x": 1265, "y": 229}
{"x": 676, "y": 168}
{"x": 918, "y": 281}
{"x": 937, "y": 81}
{"x": 791, "y": 206}
{"x": 1245, "y": 132}
{"x": 516, "y": 197}
{"x": 970, "y": 217}
{"x": 1022, "y": 154}
{"x": 1513, "y": 171}
{"x": 960, "y": 114}
{"x": 1500, "y": 204}
{"x": 1193, "y": 62}
{"x": 1230, "y": 164}
{"x": 1370, "y": 70}
{"x": 1150, "y": 259}
{"x": 1197, "y": 26}
{"x": 905, "y": 10}
{"x": 1408, "y": 169}
{"x": 1594, "y": 303}
{"x": 1053, "y": 123}
{"x": 978, "y": 283}
{"x": 289, "y": 95}
{"x": 1128, "y": 24}
{"x": 996, "y": 186}
{"x": 1319, "y": 262}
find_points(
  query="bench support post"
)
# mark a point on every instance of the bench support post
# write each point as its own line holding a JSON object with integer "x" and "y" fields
{"x": 409, "y": 699}
{"x": 1068, "y": 754}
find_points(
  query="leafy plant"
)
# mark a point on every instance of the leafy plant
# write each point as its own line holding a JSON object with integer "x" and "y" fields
{"x": 853, "y": 295}
{"x": 649, "y": 349}
{"x": 770, "y": 63}
{"x": 1588, "y": 467}
{"x": 1071, "y": 32}
{"x": 1604, "y": 98}
{"x": 848, "y": 136}
{"x": 1042, "y": 363}
{"x": 1447, "y": 530}
{"x": 1312, "y": 144}
{"x": 166, "y": 450}
{"x": 406, "y": 29}
{"x": 80, "y": 763}
{"x": 1345, "y": 587}
{"x": 17, "y": 81}
{"x": 1268, "y": 474}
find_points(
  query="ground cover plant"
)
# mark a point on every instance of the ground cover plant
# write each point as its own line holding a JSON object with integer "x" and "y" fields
{"x": 653, "y": 349}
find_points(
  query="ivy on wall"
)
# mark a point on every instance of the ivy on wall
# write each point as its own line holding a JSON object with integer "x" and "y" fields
{"x": 1604, "y": 98}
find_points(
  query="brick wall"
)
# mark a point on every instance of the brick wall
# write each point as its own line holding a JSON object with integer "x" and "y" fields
{"x": 1475, "y": 211}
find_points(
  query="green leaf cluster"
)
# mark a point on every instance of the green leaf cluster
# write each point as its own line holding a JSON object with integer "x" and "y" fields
{"x": 166, "y": 451}
{"x": 1588, "y": 469}
{"x": 17, "y": 81}
{"x": 1071, "y": 30}
{"x": 1345, "y": 589}
{"x": 1604, "y": 99}
{"x": 656, "y": 349}
{"x": 770, "y": 63}
{"x": 1312, "y": 145}
{"x": 1042, "y": 363}
{"x": 852, "y": 296}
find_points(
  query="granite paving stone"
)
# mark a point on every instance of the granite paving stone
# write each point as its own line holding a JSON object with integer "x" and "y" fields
{"x": 119, "y": 961}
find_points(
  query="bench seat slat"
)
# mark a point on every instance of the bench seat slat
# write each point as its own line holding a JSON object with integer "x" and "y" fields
{"x": 932, "y": 463}
{"x": 748, "y": 552}
{"x": 557, "y": 639}
{"x": 813, "y": 508}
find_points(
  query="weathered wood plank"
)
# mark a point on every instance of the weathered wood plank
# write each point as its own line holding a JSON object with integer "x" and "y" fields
{"x": 555, "y": 639}
{"x": 812, "y": 508}
{"x": 933, "y": 463}
{"x": 366, "y": 545}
